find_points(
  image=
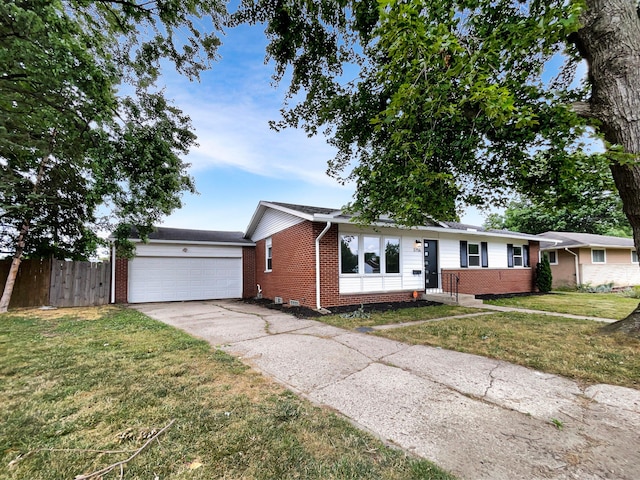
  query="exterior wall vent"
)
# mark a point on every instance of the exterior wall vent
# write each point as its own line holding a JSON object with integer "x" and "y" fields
{"x": 294, "y": 303}
{"x": 277, "y": 300}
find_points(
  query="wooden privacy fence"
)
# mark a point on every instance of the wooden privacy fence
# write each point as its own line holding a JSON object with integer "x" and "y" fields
{"x": 58, "y": 283}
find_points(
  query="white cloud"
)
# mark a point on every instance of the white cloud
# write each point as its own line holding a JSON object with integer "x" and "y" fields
{"x": 238, "y": 135}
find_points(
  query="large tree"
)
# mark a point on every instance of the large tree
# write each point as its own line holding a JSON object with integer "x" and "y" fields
{"x": 83, "y": 127}
{"x": 439, "y": 104}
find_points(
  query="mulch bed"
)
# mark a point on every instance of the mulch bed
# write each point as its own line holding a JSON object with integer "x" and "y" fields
{"x": 305, "y": 312}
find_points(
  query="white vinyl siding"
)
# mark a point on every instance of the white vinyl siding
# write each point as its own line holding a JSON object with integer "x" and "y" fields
{"x": 274, "y": 221}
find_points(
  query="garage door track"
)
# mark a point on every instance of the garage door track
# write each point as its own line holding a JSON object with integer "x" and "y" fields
{"x": 476, "y": 417}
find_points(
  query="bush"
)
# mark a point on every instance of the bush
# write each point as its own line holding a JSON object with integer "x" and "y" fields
{"x": 543, "y": 275}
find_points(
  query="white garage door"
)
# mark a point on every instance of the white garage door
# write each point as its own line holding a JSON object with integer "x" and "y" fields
{"x": 166, "y": 279}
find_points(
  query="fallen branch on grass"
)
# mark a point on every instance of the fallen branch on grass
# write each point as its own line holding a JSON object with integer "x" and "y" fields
{"x": 122, "y": 463}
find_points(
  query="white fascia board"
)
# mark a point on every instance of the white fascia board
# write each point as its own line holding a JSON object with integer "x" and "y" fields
{"x": 443, "y": 229}
{"x": 194, "y": 242}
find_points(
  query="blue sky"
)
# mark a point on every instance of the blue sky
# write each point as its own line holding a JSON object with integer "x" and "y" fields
{"x": 240, "y": 160}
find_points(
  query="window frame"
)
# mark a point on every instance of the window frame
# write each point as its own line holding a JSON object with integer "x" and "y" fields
{"x": 555, "y": 254}
{"x": 634, "y": 253}
{"x": 518, "y": 257}
{"x": 361, "y": 270}
{"x": 268, "y": 255}
{"x": 474, "y": 255}
{"x": 604, "y": 256}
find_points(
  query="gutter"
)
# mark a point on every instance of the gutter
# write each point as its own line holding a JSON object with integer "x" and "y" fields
{"x": 575, "y": 257}
{"x": 322, "y": 234}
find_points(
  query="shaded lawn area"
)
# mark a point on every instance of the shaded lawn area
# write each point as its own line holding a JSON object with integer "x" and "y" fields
{"x": 603, "y": 305}
{"x": 572, "y": 348}
{"x": 76, "y": 388}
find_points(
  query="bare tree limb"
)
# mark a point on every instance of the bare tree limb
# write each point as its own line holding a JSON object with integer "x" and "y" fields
{"x": 109, "y": 468}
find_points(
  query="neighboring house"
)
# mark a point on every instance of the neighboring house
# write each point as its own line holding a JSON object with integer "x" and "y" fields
{"x": 588, "y": 259}
{"x": 317, "y": 257}
{"x": 177, "y": 264}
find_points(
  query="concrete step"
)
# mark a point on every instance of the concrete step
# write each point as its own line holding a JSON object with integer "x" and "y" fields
{"x": 464, "y": 300}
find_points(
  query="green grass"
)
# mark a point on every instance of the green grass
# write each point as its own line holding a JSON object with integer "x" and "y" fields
{"x": 403, "y": 315}
{"x": 72, "y": 385}
{"x": 572, "y": 348}
{"x": 604, "y": 305}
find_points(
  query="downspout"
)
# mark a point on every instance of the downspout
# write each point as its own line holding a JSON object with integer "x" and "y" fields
{"x": 113, "y": 272}
{"x": 575, "y": 258}
{"x": 326, "y": 229}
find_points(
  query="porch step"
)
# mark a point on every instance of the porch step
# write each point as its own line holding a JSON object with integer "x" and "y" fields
{"x": 464, "y": 300}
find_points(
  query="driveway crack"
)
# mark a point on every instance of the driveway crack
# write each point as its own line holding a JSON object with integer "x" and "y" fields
{"x": 492, "y": 379}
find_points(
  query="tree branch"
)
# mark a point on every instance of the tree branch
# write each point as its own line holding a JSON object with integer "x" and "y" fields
{"x": 582, "y": 109}
{"x": 105, "y": 470}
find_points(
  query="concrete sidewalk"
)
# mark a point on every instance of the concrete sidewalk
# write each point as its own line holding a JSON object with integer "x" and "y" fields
{"x": 476, "y": 417}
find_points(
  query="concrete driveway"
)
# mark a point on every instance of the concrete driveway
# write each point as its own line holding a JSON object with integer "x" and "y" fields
{"x": 476, "y": 417}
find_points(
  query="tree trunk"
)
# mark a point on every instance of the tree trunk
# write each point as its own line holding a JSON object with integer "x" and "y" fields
{"x": 13, "y": 271}
{"x": 22, "y": 236}
{"x": 609, "y": 40}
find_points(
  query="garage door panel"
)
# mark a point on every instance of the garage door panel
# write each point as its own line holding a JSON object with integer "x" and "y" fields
{"x": 162, "y": 279}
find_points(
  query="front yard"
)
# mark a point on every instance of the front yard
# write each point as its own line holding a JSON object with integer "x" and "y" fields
{"x": 572, "y": 348}
{"x": 84, "y": 390}
{"x": 603, "y": 305}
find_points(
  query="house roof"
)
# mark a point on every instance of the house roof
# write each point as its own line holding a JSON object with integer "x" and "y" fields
{"x": 183, "y": 235}
{"x": 337, "y": 215}
{"x": 576, "y": 240}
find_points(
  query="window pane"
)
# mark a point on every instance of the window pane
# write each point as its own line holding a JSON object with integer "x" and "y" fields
{"x": 349, "y": 253}
{"x": 474, "y": 261}
{"x": 392, "y": 255}
{"x": 597, "y": 256}
{"x": 474, "y": 249}
{"x": 517, "y": 251}
{"x": 371, "y": 254}
{"x": 517, "y": 261}
{"x": 634, "y": 256}
{"x": 552, "y": 257}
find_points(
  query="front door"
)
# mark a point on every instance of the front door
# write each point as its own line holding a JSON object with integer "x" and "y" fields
{"x": 431, "y": 264}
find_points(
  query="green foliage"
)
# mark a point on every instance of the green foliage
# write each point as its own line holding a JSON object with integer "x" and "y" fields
{"x": 600, "y": 214}
{"x": 430, "y": 105}
{"x": 83, "y": 128}
{"x": 544, "y": 277}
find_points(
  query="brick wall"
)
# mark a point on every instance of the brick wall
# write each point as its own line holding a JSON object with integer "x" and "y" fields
{"x": 122, "y": 280}
{"x": 249, "y": 288}
{"x": 494, "y": 281}
{"x": 292, "y": 274}
{"x": 293, "y": 269}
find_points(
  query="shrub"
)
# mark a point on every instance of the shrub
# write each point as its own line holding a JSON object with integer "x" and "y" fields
{"x": 543, "y": 275}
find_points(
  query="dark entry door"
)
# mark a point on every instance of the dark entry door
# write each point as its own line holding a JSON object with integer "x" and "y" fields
{"x": 431, "y": 264}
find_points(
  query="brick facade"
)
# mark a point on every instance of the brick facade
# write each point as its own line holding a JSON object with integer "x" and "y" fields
{"x": 486, "y": 281}
{"x": 122, "y": 280}
{"x": 293, "y": 274}
{"x": 249, "y": 288}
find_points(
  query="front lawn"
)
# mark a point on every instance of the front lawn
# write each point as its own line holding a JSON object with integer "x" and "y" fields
{"x": 572, "y": 348}
{"x": 81, "y": 390}
{"x": 603, "y": 305}
{"x": 401, "y": 315}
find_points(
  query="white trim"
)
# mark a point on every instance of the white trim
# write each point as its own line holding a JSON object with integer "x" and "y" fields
{"x": 268, "y": 248}
{"x": 555, "y": 252}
